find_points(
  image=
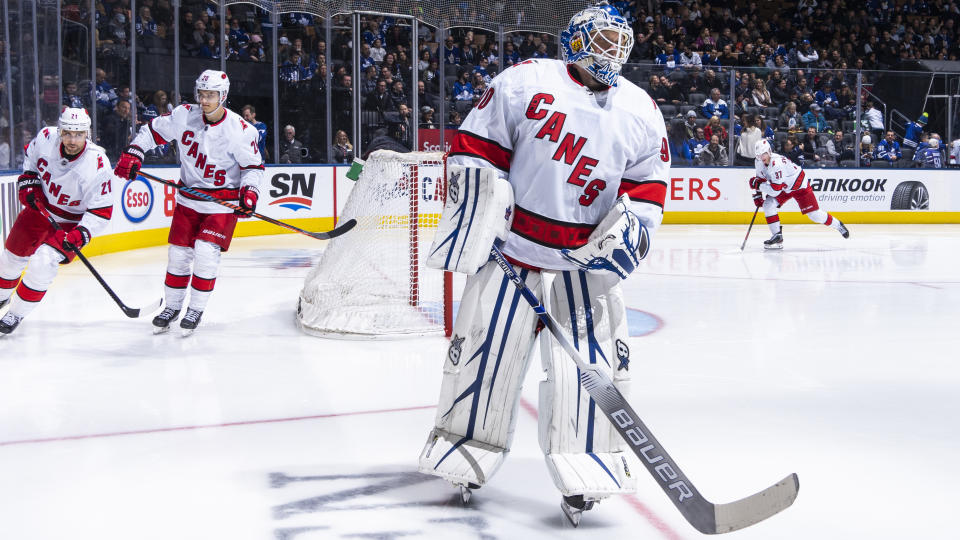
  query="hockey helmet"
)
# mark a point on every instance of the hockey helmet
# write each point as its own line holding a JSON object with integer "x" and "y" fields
{"x": 74, "y": 119}
{"x": 214, "y": 80}
{"x": 761, "y": 147}
{"x": 584, "y": 42}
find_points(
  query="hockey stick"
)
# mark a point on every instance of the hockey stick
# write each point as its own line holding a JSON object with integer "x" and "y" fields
{"x": 748, "y": 228}
{"x": 333, "y": 233}
{"x": 133, "y": 313}
{"x": 705, "y": 516}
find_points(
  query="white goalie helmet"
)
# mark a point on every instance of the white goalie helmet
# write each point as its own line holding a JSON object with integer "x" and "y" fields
{"x": 214, "y": 80}
{"x": 761, "y": 147}
{"x": 587, "y": 42}
{"x": 74, "y": 119}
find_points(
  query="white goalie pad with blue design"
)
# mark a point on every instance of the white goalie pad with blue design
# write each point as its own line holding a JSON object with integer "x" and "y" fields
{"x": 478, "y": 212}
{"x": 617, "y": 245}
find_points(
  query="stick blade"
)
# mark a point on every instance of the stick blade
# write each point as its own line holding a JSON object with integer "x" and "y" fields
{"x": 336, "y": 231}
{"x": 135, "y": 313}
{"x": 757, "y": 507}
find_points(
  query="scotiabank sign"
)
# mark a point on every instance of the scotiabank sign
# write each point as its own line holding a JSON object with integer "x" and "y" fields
{"x": 429, "y": 140}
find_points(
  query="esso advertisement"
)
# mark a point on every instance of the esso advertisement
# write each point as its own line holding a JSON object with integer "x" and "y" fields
{"x": 136, "y": 200}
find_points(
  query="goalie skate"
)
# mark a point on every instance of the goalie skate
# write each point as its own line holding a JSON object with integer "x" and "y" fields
{"x": 573, "y": 507}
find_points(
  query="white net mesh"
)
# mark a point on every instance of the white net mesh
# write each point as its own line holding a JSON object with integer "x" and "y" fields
{"x": 373, "y": 281}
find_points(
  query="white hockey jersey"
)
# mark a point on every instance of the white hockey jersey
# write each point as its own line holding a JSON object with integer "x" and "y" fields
{"x": 216, "y": 158}
{"x": 568, "y": 152}
{"x": 783, "y": 176}
{"x": 79, "y": 189}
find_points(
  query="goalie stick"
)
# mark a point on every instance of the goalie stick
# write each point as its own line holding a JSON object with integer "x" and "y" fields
{"x": 705, "y": 516}
{"x": 133, "y": 313}
{"x": 333, "y": 233}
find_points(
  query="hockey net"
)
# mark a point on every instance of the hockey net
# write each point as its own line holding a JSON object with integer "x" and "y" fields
{"x": 373, "y": 281}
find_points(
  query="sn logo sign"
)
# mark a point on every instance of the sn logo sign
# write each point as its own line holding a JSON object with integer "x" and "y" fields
{"x": 293, "y": 191}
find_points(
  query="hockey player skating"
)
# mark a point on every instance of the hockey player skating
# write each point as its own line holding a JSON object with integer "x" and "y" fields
{"x": 776, "y": 181}
{"x": 566, "y": 163}
{"x": 69, "y": 177}
{"x": 218, "y": 156}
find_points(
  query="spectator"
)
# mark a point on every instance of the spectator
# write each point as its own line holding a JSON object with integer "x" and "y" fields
{"x": 291, "y": 150}
{"x": 760, "y": 94}
{"x": 342, "y": 150}
{"x": 377, "y": 52}
{"x": 669, "y": 58}
{"x": 510, "y": 55}
{"x": 397, "y": 94}
{"x": 714, "y": 154}
{"x": 106, "y": 95}
{"x": 791, "y": 150}
{"x": 815, "y": 119}
{"x": 368, "y": 84}
{"x": 424, "y": 98}
{"x": 690, "y": 125}
{"x": 914, "y": 130}
{"x": 931, "y": 156}
{"x": 237, "y": 34}
{"x": 253, "y": 52}
{"x": 159, "y": 104}
{"x": 888, "y": 149}
{"x": 779, "y": 94}
{"x": 689, "y": 59}
{"x": 810, "y": 147}
{"x": 426, "y": 118}
{"x": 873, "y": 120}
{"x": 715, "y": 106}
{"x": 836, "y": 150}
{"x": 695, "y": 145}
{"x": 451, "y": 54}
{"x": 71, "y": 98}
{"x": 806, "y": 54}
{"x": 454, "y": 120}
{"x": 210, "y": 49}
{"x": 250, "y": 115}
{"x": 145, "y": 25}
{"x": 749, "y": 137}
{"x": 380, "y": 99}
{"x": 462, "y": 89}
{"x": 657, "y": 92}
{"x": 115, "y": 129}
{"x": 342, "y": 102}
{"x": 366, "y": 60}
{"x": 866, "y": 150}
{"x": 715, "y": 128}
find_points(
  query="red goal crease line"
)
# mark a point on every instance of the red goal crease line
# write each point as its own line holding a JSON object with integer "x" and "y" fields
{"x": 209, "y": 426}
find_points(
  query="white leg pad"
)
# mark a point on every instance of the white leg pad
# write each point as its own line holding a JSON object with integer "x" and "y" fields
{"x": 11, "y": 266}
{"x": 179, "y": 263}
{"x": 584, "y": 453}
{"x": 206, "y": 265}
{"x": 482, "y": 376}
{"x": 41, "y": 271}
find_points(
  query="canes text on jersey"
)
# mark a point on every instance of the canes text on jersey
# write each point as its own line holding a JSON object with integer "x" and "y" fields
{"x": 200, "y": 159}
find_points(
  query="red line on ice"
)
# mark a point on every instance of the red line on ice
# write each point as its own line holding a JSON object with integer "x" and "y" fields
{"x": 209, "y": 426}
{"x": 632, "y": 499}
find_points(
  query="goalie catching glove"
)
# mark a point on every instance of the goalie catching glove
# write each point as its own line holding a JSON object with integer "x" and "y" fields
{"x": 617, "y": 245}
{"x": 477, "y": 213}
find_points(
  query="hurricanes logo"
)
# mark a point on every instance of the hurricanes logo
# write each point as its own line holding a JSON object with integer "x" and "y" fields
{"x": 623, "y": 353}
{"x": 454, "y": 187}
{"x": 456, "y": 347}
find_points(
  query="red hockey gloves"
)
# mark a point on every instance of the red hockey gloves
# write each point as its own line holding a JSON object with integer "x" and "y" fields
{"x": 755, "y": 182}
{"x": 248, "y": 201}
{"x": 77, "y": 238}
{"x": 758, "y": 199}
{"x": 29, "y": 183}
{"x": 129, "y": 164}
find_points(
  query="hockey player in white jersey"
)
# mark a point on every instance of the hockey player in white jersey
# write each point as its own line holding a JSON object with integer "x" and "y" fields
{"x": 567, "y": 163}
{"x": 776, "y": 181}
{"x": 218, "y": 156}
{"x": 70, "y": 177}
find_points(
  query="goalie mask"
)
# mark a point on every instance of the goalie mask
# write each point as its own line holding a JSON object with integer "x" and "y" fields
{"x": 599, "y": 40}
{"x": 73, "y": 119}
{"x": 213, "y": 80}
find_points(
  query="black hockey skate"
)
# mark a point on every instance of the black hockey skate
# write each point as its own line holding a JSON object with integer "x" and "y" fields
{"x": 190, "y": 321}
{"x": 161, "y": 323}
{"x": 844, "y": 231}
{"x": 9, "y": 323}
{"x": 775, "y": 242}
{"x": 573, "y": 507}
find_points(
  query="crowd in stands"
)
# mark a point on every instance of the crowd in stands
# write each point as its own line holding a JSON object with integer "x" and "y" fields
{"x": 794, "y": 69}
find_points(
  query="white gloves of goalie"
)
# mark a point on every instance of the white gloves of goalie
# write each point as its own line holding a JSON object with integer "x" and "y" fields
{"x": 617, "y": 245}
